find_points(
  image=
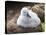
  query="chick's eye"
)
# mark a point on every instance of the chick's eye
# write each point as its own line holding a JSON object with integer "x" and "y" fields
{"x": 24, "y": 12}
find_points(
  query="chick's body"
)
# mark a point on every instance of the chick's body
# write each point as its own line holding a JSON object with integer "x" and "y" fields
{"x": 26, "y": 21}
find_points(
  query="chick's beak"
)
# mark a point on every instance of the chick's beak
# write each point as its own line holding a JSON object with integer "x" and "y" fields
{"x": 28, "y": 15}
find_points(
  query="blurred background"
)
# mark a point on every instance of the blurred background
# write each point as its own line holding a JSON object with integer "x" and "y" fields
{"x": 12, "y": 12}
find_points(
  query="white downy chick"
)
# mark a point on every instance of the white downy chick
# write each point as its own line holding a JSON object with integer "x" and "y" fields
{"x": 28, "y": 18}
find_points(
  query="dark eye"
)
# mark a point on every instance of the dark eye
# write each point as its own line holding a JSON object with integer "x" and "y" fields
{"x": 24, "y": 12}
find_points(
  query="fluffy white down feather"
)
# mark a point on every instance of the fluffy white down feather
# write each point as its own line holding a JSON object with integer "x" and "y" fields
{"x": 25, "y": 21}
